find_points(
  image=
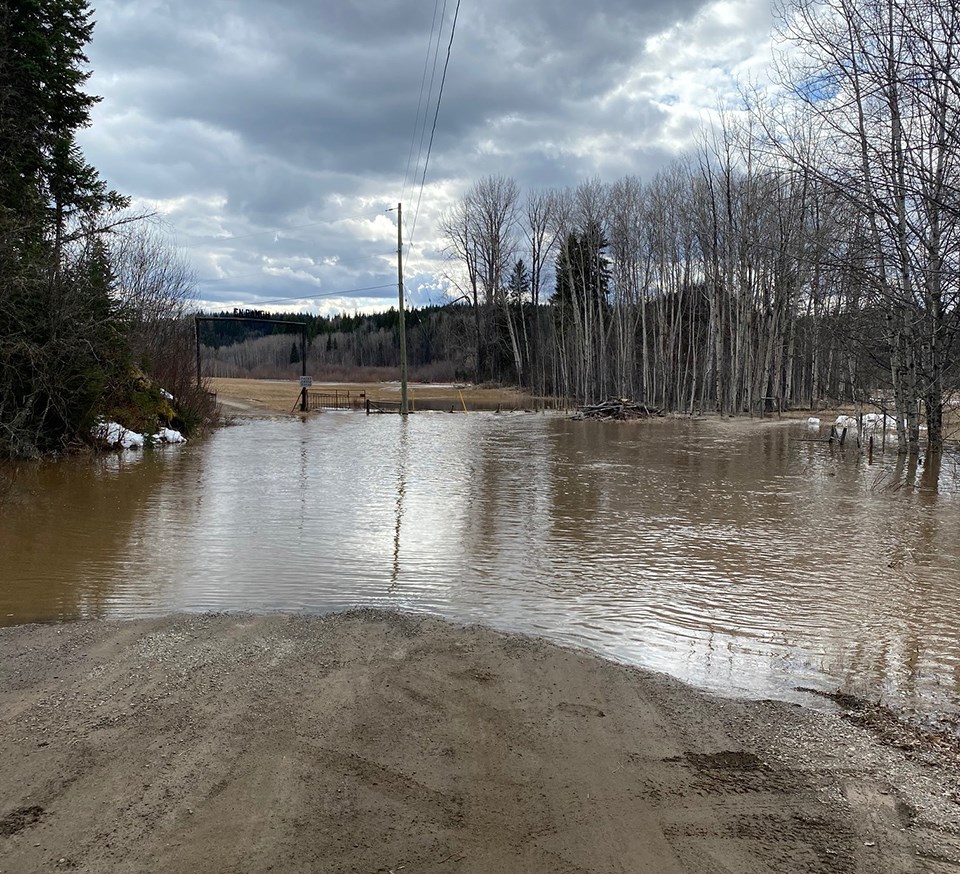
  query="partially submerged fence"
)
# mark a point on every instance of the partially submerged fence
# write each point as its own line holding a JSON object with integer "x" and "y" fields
{"x": 336, "y": 400}
{"x": 349, "y": 400}
{"x": 382, "y": 406}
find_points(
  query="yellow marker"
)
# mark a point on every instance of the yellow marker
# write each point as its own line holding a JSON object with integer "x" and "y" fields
{"x": 462, "y": 401}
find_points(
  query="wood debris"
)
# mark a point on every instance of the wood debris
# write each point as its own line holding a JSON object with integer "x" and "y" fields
{"x": 619, "y": 409}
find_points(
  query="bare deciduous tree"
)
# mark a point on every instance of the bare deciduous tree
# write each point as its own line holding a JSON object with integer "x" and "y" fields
{"x": 877, "y": 83}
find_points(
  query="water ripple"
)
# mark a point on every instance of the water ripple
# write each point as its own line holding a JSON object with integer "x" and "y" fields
{"x": 742, "y": 560}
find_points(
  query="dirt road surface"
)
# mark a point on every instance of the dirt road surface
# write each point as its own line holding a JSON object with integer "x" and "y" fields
{"x": 374, "y": 742}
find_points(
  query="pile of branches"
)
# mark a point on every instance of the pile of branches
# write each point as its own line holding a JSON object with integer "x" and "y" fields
{"x": 618, "y": 409}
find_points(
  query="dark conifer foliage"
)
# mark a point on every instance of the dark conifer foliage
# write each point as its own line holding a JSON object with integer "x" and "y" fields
{"x": 61, "y": 341}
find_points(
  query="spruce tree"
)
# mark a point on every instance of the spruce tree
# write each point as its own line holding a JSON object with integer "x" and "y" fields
{"x": 518, "y": 285}
{"x": 583, "y": 271}
{"x": 59, "y": 344}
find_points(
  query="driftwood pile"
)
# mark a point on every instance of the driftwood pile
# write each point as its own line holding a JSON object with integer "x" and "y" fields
{"x": 619, "y": 409}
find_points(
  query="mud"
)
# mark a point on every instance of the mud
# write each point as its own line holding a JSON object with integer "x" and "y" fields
{"x": 385, "y": 743}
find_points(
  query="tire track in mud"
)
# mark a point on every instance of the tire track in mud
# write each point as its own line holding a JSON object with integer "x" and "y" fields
{"x": 370, "y": 741}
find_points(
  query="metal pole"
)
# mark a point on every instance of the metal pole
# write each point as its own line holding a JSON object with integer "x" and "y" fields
{"x": 403, "y": 326}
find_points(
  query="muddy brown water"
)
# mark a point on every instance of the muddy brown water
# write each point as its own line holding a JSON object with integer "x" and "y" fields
{"x": 740, "y": 557}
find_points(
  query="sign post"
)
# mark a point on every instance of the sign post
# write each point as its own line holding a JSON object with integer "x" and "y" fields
{"x": 305, "y": 383}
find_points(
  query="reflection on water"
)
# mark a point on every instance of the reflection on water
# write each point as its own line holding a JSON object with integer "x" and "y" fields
{"x": 739, "y": 557}
{"x": 401, "y": 491}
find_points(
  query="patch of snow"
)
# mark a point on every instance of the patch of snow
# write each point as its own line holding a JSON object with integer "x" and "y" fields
{"x": 114, "y": 434}
{"x": 871, "y": 422}
{"x": 879, "y": 422}
{"x": 169, "y": 435}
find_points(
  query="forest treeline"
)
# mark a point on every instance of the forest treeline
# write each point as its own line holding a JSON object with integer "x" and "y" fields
{"x": 93, "y": 303}
{"x": 361, "y": 347}
{"x": 441, "y": 347}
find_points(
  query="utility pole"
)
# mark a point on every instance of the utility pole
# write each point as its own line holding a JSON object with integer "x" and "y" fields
{"x": 403, "y": 325}
{"x": 303, "y": 369}
{"x": 196, "y": 335}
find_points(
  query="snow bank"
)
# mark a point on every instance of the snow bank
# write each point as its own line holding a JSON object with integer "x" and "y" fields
{"x": 168, "y": 435}
{"x": 879, "y": 422}
{"x": 871, "y": 422}
{"x": 114, "y": 434}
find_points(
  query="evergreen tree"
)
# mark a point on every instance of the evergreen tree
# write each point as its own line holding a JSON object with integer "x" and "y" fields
{"x": 518, "y": 285}
{"x": 59, "y": 341}
{"x": 583, "y": 271}
{"x": 45, "y": 178}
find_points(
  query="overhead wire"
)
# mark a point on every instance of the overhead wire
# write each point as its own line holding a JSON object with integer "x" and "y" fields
{"x": 328, "y": 293}
{"x": 420, "y": 105}
{"x": 433, "y": 76}
{"x": 324, "y": 294}
{"x": 436, "y": 115}
{"x": 423, "y": 80}
{"x": 215, "y": 279}
{"x": 433, "y": 45}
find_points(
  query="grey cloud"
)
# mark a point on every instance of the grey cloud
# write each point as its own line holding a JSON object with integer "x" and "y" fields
{"x": 250, "y": 116}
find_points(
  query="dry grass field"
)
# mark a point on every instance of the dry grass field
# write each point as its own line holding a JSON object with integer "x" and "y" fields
{"x": 281, "y": 396}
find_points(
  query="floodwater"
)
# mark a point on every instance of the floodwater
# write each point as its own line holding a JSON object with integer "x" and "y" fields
{"x": 739, "y": 556}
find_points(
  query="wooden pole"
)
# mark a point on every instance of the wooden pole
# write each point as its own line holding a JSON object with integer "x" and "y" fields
{"x": 196, "y": 334}
{"x": 303, "y": 368}
{"x": 403, "y": 326}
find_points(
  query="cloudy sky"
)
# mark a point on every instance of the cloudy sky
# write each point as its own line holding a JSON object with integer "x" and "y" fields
{"x": 273, "y": 136}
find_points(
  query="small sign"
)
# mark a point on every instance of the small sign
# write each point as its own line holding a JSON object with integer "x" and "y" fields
{"x": 306, "y": 381}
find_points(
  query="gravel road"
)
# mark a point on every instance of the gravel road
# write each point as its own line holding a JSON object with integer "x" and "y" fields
{"x": 382, "y": 742}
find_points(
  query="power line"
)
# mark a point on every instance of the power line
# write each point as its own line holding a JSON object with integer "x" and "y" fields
{"x": 328, "y": 293}
{"x": 426, "y": 163}
{"x": 234, "y": 278}
{"x": 325, "y": 294}
{"x": 423, "y": 79}
{"x": 433, "y": 76}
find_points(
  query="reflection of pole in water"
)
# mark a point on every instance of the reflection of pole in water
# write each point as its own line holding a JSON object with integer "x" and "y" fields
{"x": 401, "y": 491}
{"x": 303, "y": 474}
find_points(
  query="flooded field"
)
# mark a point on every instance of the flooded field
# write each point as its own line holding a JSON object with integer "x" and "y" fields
{"x": 742, "y": 557}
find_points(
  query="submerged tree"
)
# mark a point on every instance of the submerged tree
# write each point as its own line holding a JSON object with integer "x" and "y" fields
{"x": 876, "y": 86}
